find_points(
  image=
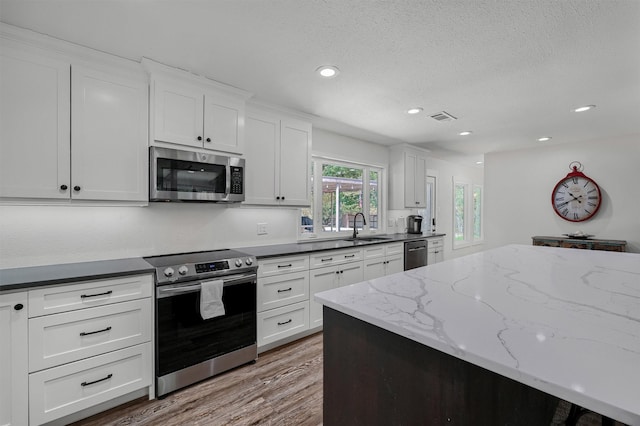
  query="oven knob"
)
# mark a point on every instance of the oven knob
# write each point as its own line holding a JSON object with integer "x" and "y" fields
{"x": 248, "y": 261}
{"x": 238, "y": 262}
{"x": 168, "y": 272}
{"x": 183, "y": 270}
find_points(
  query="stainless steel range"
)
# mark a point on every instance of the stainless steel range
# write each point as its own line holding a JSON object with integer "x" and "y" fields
{"x": 205, "y": 315}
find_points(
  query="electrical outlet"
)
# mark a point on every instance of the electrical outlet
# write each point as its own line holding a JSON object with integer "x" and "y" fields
{"x": 391, "y": 223}
{"x": 262, "y": 229}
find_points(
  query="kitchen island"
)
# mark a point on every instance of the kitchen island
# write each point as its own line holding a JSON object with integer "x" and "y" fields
{"x": 496, "y": 337}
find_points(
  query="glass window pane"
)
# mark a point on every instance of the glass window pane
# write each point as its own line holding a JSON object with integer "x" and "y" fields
{"x": 477, "y": 213}
{"x": 458, "y": 225}
{"x": 373, "y": 199}
{"x": 341, "y": 196}
{"x": 306, "y": 223}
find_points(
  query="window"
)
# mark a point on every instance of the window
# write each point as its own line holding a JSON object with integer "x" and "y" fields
{"x": 467, "y": 213}
{"x": 341, "y": 189}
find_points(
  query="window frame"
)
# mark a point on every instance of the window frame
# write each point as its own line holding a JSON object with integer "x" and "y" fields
{"x": 469, "y": 210}
{"x": 318, "y": 161}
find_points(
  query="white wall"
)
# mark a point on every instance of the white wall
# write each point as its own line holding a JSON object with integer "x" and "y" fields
{"x": 445, "y": 172}
{"x": 41, "y": 235}
{"x": 326, "y": 143}
{"x": 518, "y": 187}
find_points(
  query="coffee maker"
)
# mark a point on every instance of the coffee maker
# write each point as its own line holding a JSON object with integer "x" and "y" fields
{"x": 414, "y": 224}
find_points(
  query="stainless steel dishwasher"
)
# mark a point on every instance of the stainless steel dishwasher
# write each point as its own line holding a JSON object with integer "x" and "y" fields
{"x": 415, "y": 254}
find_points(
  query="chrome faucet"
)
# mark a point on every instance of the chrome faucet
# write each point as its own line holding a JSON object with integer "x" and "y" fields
{"x": 355, "y": 228}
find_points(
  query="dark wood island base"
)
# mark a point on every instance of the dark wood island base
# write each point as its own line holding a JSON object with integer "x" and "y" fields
{"x": 376, "y": 377}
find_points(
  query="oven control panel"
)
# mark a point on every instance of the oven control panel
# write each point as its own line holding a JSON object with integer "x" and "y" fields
{"x": 211, "y": 266}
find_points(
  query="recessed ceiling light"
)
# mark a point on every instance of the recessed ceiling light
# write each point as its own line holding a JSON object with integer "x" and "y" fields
{"x": 328, "y": 71}
{"x": 479, "y": 162}
{"x": 465, "y": 133}
{"x": 544, "y": 139}
{"x": 416, "y": 110}
{"x": 584, "y": 108}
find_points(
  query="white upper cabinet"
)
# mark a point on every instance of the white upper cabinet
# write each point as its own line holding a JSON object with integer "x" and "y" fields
{"x": 194, "y": 111}
{"x": 408, "y": 168}
{"x": 34, "y": 125}
{"x": 278, "y": 155}
{"x": 69, "y": 131}
{"x": 179, "y": 113}
{"x": 109, "y": 136}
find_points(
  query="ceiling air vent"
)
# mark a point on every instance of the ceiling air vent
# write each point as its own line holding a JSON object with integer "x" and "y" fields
{"x": 443, "y": 116}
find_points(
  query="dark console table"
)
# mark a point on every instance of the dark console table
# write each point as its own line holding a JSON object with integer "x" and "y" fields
{"x": 581, "y": 243}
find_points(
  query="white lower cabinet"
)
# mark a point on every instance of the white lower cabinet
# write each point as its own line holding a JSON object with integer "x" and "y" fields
{"x": 435, "y": 250}
{"x": 381, "y": 260}
{"x": 280, "y": 323}
{"x": 282, "y": 299}
{"x": 348, "y": 270}
{"x": 89, "y": 342}
{"x": 63, "y": 390}
{"x": 14, "y": 365}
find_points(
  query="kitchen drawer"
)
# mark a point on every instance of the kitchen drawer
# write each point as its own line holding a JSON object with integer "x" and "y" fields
{"x": 279, "y": 323}
{"x": 281, "y": 290}
{"x": 282, "y": 265}
{"x": 335, "y": 257}
{"x": 435, "y": 242}
{"x": 58, "y": 339}
{"x": 394, "y": 249}
{"x": 60, "y": 391}
{"x": 373, "y": 251}
{"x": 52, "y": 300}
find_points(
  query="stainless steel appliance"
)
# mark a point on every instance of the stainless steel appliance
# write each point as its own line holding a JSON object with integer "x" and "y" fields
{"x": 176, "y": 175}
{"x": 415, "y": 254}
{"x": 188, "y": 347}
{"x": 414, "y": 224}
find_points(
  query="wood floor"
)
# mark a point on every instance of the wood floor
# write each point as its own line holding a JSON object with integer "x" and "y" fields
{"x": 284, "y": 387}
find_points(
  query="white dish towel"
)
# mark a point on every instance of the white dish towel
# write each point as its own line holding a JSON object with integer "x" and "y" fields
{"x": 211, "y": 305}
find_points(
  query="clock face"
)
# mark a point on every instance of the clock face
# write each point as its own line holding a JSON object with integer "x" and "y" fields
{"x": 576, "y": 198}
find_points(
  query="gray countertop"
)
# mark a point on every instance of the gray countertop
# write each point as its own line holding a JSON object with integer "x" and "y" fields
{"x": 35, "y": 276}
{"x": 275, "y": 250}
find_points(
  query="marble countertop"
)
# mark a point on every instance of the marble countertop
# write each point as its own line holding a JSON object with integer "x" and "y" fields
{"x": 564, "y": 321}
{"x": 275, "y": 250}
{"x": 35, "y": 276}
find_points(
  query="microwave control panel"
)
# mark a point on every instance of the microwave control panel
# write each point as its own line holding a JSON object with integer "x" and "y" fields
{"x": 236, "y": 180}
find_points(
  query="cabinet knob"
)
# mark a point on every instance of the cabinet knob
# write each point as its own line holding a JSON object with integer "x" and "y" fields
{"x": 64, "y": 187}
{"x": 208, "y": 139}
{"x": 76, "y": 188}
{"x": 278, "y": 197}
{"x": 282, "y": 198}
{"x": 199, "y": 138}
{"x": 18, "y": 307}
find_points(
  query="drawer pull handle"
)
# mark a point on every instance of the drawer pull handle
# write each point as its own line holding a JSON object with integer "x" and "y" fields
{"x": 83, "y": 384}
{"x": 87, "y": 333}
{"x": 349, "y": 255}
{"x": 285, "y": 266}
{"x": 285, "y": 290}
{"x": 286, "y": 322}
{"x": 106, "y": 293}
{"x": 327, "y": 259}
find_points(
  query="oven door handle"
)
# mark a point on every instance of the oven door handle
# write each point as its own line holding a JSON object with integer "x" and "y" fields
{"x": 168, "y": 291}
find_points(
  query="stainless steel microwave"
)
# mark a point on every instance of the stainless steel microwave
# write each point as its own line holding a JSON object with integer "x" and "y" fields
{"x": 177, "y": 175}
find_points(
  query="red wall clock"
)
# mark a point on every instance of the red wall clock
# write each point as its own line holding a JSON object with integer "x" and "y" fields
{"x": 576, "y": 197}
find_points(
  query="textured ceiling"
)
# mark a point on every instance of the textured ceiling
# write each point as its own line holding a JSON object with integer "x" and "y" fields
{"x": 510, "y": 70}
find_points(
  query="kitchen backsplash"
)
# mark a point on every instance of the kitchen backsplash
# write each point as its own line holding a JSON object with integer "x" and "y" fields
{"x": 41, "y": 235}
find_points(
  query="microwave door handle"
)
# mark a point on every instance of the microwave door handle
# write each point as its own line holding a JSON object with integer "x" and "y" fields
{"x": 227, "y": 188}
